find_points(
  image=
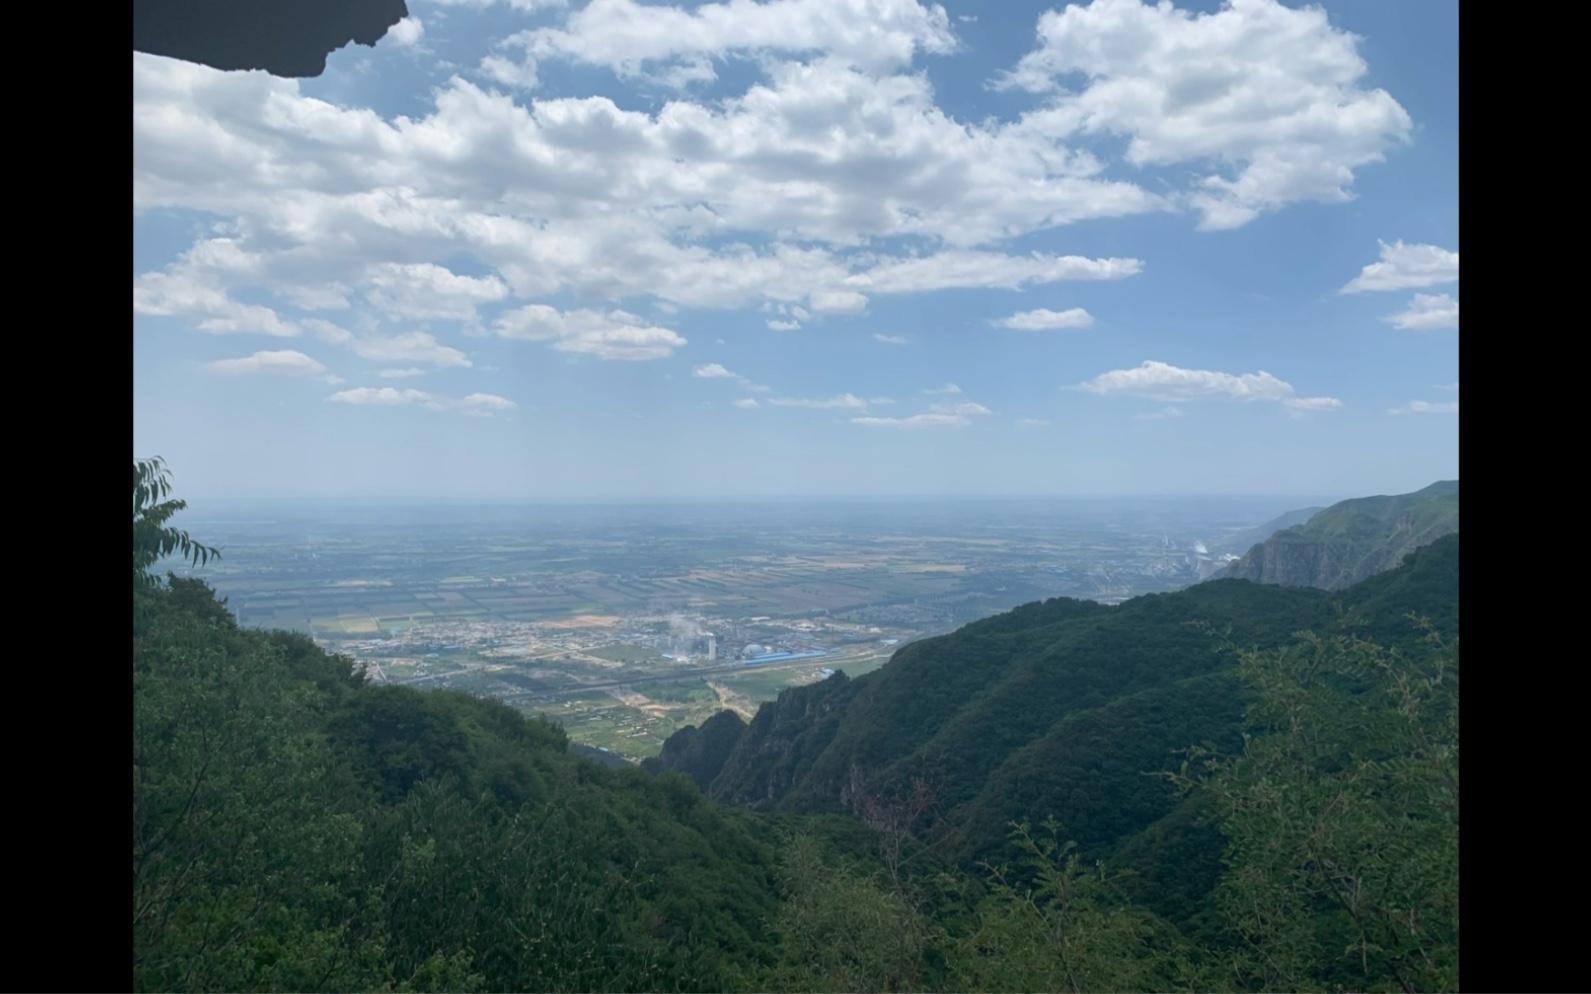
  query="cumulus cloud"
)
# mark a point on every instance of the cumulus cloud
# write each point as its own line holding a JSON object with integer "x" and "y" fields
{"x": 386, "y": 396}
{"x": 484, "y": 404}
{"x": 398, "y": 374}
{"x": 476, "y": 404}
{"x": 1041, "y": 320}
{"x": 1031, "y": 423}
{"x": 287, "y": 362}
{"x": 329, "y": 204}
{"x": 953, "y": 270}
{"x": 745, "y": 402}
{"x": 409, "y": 346}
{"x": 837, "y": 302}
{"x": 627, "y": 36}
{"x": 784, "y": 325}
{"x": 406, "y": 32}
{"x": 890, "y": 339}
{"x": 1404, "y": 267}
{"x": 182, "y": 295}
{"x": 605, "y": 335}
{"x": 1301, "y": 404}
{"x": 1162, "y": 381}
{"x": 830, "y": 176}
{"x": 1427, "y": 312}
{"x": 423, "y": 291}
{"x": 1426, "y": 407}
{"x": 948, "y": 388}
{"x": 1271, "y": 93}
{"x": 716, "y": 371}
{"x": 915, "y": 421}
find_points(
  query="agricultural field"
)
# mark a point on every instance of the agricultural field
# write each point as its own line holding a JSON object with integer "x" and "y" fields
{"x": 627, "y": 622}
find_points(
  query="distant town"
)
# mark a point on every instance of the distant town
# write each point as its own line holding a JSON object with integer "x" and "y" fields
{"x": 626, "y": 624}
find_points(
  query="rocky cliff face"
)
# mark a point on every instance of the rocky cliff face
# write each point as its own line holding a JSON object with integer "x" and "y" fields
{"x": 1353, "y": 540}
{"x": 700, "y": 753}
{"x": 781, "y": 743}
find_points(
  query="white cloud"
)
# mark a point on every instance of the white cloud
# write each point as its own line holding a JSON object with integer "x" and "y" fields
{"x": 784, "y": 325}
{"x": 611, "y": 335}
{"x": 837, "y": 302}
{"x": 829, "y": 175}
{"x": 1031, "y": 423}
{"x": 953, "y": 270}
{"x": 963, "y": 408}
{"x": 423, "y": 291}
{"x": 1427, "y": 312}
{"x": 385, "y": 396}
{"x": 1041, "y": 319}
{"x": 576, "y": 194}
{"x": 396, "y": 374}
{"x": 1161, "y": 381}
{"x": 745, "y": 402}
{"x": 409, "y": 346}
{"x": 716, "y": 371}
{"x": 948, "y": 388}
{"x": 626, "y": 36}
{"x": 1271, "y": 93}
{"x": 182, "y": 294}
{"x": 1403, "y": 267}
{"x": 484, "y": 404}
{"x": 1160, "y": 415}
{"x": 915, "y": 421}
{"x": 287, "y": 362}
{"x": 890, "y": 339}
{"x": 406, "y": 32}
{"x": 1301, "y": 404}
{"x": 249, "y": 319}
{"x": 1426, "y": 407}
{"x": 477, "y": 404}
{"x": 844, "y": 401}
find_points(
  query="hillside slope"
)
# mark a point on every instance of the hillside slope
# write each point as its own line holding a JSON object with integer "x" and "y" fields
{"x": 1352, "y": 540}
{"x": 1055, "y": 708}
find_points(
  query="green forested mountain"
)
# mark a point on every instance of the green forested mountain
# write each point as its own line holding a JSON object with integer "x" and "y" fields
{"x": 1002, "y": 808}
{"x": 1352, "y": 539}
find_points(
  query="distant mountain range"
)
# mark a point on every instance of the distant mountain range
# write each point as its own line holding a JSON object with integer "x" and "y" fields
{"x": 1343, "y": 544}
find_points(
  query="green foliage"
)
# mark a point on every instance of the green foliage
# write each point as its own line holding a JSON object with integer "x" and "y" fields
{"x": 1342, "y": 811}
{"x": 1069, "y": 929}
{"x": 297, "y": 828}
{"x": 153, "y": 538}
{"x": 841, "y": 931}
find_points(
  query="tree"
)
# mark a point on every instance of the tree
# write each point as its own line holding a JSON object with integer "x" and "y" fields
{"x": 153, "y": 538}
{"x": 1069, "y": 929}
{"x": 1342, "y": 816}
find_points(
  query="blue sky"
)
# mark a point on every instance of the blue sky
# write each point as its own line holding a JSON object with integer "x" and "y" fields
{"x": 537, "y": 250}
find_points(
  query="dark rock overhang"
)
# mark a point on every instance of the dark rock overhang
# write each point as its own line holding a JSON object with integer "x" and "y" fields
{"x": 283, "y": 37}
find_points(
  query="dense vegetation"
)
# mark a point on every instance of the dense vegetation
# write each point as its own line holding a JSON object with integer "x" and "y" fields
{"x": 296, "y": 827}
